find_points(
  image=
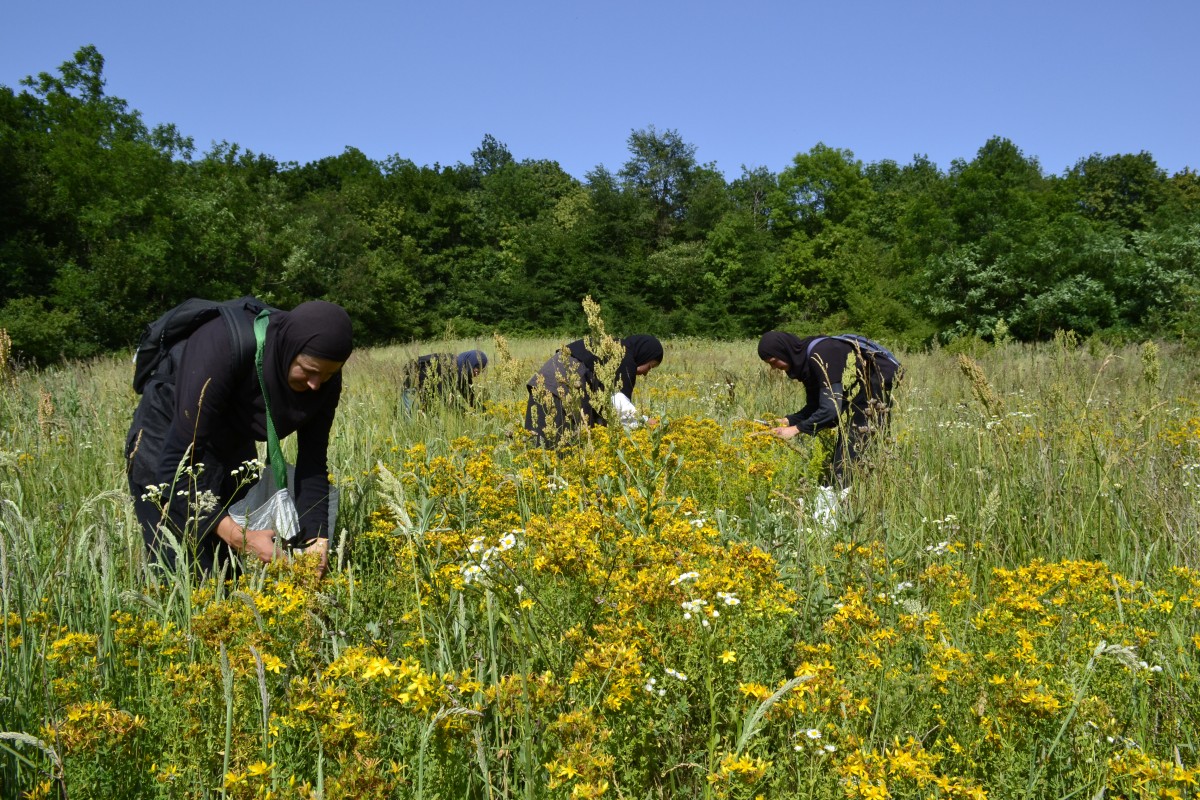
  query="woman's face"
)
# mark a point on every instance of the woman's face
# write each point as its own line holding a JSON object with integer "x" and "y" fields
{"x": 644, "y": 368}
{"x": 307, "y": 373}
{"x": 778, "y": 363}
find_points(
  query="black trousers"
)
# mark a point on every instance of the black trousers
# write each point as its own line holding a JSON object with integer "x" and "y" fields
{"x": 867, "y": 413}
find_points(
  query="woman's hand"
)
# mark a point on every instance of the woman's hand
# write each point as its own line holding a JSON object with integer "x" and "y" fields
{"x": 785, "y": 432}
{"x": 259, "y": 543}
{"x": 319, "y": 547}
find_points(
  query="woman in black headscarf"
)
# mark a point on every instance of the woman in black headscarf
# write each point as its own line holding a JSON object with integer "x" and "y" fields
{"x": 444, "y": 375}
{"x": 561, "y": 392}
{"x": 191, "y": 443}
{"x": 819, "y": 362}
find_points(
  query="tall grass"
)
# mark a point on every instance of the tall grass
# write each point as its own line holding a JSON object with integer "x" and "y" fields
{"x": 504, "y": 622}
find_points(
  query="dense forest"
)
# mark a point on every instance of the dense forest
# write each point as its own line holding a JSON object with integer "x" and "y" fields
{"x": 105, "y": 223}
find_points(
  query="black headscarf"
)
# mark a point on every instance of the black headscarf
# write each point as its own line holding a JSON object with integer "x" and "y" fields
{"x": 315, "y": 328}
{"x": 640, "y": 349}
{"x": 787, "y": 347}
{"x": 470, "y": 361}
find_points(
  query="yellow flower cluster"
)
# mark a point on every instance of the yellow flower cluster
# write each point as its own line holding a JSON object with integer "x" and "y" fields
{"x": 1135, "y": 774}
{"x": 902, "y": 770}
{"x": 84, "y": 727}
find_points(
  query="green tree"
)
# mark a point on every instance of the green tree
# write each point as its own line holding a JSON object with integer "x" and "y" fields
{"x": 1000, "y": 206}
{"x": 663, "y": 174}
{"x": 1181, "y": 201}
{"x": 1122, "y": 189}
{"x": 739, "y": 259}
{"x": 820, "y": 210}
{"x": 824, "y": 187}
{"x": 104, "y": 232}
{"x": 490, "y": 156}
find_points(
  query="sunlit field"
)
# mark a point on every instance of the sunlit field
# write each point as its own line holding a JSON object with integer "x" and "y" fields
{"x": 1007, "y": 606}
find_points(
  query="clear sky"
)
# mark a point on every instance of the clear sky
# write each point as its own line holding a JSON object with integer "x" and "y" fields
{"x": 747, "y": 82}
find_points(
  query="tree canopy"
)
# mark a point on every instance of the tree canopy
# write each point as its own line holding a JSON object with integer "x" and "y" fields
{"x": 104, "y": 223}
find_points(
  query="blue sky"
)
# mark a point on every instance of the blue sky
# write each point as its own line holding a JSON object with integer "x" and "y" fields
{"x": 746, "y": 82}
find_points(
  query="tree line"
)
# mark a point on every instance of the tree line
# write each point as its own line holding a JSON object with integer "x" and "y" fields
{"x": 105, "y": 223}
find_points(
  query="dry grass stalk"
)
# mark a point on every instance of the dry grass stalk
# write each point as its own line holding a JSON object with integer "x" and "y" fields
{"x": 6, "y": 372}
{"x": 45, "y": 412}
{"x": 980, "y": 386}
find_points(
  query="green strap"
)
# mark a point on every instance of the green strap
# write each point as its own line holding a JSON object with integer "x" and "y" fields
{"x": 274, "y": 451}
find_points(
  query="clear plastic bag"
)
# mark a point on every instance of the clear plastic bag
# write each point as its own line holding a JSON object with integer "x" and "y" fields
{"x": 267, "y": 507}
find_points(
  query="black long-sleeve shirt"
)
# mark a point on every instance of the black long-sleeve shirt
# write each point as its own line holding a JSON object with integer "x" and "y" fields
{"x": 821, "y": 375}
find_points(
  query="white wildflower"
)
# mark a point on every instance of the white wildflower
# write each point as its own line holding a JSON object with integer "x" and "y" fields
{"x": 728, "y": 598}
{"x": 687, "y": 576}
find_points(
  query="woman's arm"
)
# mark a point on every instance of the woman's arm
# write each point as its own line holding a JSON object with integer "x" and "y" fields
{"x": 822, "y": 387}
{"x": 825, "y": 415}
{"x": 627, "y": 412}
{"x": 259, "y": 543}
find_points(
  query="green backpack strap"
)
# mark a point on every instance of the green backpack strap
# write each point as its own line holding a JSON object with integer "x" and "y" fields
{"x": 274, "y": 451}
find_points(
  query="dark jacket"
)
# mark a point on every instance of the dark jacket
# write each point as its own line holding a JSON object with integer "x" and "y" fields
{"x": 577, "y": 372}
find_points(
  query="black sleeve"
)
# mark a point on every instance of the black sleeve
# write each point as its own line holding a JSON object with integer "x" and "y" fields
{"x": 824, "y": 415}
{"x": 822, "y": 387}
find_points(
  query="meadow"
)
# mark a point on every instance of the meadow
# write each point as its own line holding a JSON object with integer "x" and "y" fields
{"x": 1007, "y": 607}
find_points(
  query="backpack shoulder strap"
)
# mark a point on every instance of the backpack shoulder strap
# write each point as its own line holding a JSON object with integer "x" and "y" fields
{"x": 241, "y": 331}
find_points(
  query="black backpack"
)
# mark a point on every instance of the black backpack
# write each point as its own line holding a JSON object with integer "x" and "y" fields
{"x": 868, "y": 347}
{"x": 177, "y": 324}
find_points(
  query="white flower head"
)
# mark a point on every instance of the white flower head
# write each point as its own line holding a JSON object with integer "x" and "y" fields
{"x": 155, "y": 492}
{"x": 206, "y": 501}
{"x": 687, "y": 576}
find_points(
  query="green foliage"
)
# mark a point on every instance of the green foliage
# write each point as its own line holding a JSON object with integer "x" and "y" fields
{"x": 41, "y": 334}
{"x": 1126, "y": 190}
